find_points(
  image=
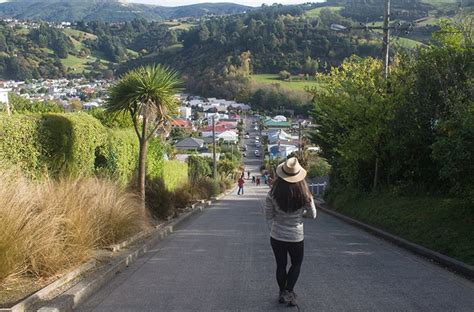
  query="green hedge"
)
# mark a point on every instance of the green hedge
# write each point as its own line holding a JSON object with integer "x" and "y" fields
{"x": 120, "y": 155}
{"x": 59, "y": 144}
{"x": 20, "y": 144}
{"x": 71, "y": 143}
{"x": 175, "y": 174}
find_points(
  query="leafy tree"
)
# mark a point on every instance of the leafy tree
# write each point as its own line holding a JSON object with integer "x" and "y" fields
{"x": 353, "y": 113}
{"x": 148, "y": 94}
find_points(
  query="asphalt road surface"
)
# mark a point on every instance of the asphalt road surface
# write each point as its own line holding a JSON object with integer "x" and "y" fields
{"x": 222, "y": 261}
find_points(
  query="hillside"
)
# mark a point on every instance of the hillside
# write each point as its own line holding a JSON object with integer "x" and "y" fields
{"x": 108, "y": 10}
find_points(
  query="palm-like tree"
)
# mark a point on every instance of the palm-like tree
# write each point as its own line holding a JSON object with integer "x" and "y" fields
{"x": 148, "y": 95}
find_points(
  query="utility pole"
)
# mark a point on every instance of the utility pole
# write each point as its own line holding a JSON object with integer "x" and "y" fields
{"x": 386, "y": 63}
{"x": 299, "y": 138}
{"x": 214, "y": 162}
{"x": 386, "y": 39}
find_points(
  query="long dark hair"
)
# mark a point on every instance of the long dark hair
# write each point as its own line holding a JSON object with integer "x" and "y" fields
{"x": 290, "y": 196}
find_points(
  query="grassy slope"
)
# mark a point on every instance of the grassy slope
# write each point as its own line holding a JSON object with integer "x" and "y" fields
{"x": 273, "y": 79}
{"x": 445, "y": 225}
{"x": 317, "y": 11}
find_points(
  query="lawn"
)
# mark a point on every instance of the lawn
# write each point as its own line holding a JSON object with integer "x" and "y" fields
{"x": 294, "y": 85}
{"x": 79, "y": 34}
{"x": 179, "y": 25}
{"x": 317, "y": 11}
{"x": 442, "y": 224}
{"x": 76, "y": 63}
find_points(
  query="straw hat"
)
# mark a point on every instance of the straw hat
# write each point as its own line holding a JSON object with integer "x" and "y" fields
{"x": 291, "y": 171}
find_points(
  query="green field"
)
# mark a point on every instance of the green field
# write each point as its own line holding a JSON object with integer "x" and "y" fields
{"x": 75, "y": 63}
{"x": 179, "y": 25}
{"x": 294, "y": 85}
{"x": 79, "y": 34}
{"x": 317, "y": 11}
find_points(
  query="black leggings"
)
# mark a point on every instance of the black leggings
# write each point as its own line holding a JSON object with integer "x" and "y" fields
{"x": 287, "y": 280}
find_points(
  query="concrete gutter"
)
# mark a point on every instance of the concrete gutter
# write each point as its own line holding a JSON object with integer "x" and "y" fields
{"x": 71, "y": 298}
{"x": 458, "y": 266}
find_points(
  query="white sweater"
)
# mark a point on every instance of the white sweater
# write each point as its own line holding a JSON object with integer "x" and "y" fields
{"x": 287, "y": 226}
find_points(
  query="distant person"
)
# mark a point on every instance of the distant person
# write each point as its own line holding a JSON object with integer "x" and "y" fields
{"x": 241, "y": 183}
{"x": 258, "y": 181}
{"x": 253, "y": 179}
{"x": 270, "y": 181}
{"x": 288, "y": 201}
{"x": 248, "y": 175}
{"x": 264, "y": 177}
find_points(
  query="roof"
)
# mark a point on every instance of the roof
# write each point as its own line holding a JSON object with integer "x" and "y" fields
{"x": 273, "y": 123}
{"x": 190, "y": 143}
{"x": 179, "y": 122}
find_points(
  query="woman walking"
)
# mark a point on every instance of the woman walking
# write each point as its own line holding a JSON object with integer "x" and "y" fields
{"x": 288, "y": 201}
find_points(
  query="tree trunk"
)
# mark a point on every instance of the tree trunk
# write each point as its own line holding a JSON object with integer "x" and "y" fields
{"x": 376, "y": 173}
{"x": 142, "y": 159}
{"x": 142, "y": 167}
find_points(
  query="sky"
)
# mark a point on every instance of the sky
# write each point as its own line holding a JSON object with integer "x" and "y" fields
{"x": 245, "y": 2}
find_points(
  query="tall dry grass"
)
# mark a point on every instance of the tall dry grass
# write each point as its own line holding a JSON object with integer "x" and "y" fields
{"x": 49, "y": 226}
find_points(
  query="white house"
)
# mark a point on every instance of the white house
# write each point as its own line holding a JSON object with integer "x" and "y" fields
{"x": 228, "y": 137}
{"x": 185, "y": 112}
{"x": 279, "y": 118}
{"x": 4, "y": 96}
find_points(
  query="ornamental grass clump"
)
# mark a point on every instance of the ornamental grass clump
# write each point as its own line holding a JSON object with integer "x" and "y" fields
{"x": 51, "y": 226}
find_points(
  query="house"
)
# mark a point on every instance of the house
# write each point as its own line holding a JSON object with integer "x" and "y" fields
{"x": 228, "y": 137}
{"x": 4, "y": 97}
{"x": 185, "y": 112}
{"x": 183, "y": 124}
{"x": 273, "y": 124}
{"x": 275, "y": 136}
{"x": 281, "y": 150}
{"x": 190, "y": 144}
{"x": 279, "y": 118}
{"x": 219, "y": 128}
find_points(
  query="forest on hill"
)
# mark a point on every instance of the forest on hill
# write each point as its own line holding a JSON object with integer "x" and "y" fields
{"x": 218, "y": 55}
{"x": 108, "y": 10}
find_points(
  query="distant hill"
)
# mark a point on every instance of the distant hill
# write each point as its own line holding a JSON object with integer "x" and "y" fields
{"x": 108, "y": 10}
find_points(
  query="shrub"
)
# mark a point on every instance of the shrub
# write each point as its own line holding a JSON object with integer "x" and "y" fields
{"x": 319, "y": 168}
{"x": 48, "y": 226}
{"x": 208, "y": 187}
{"x": 198, "y": 168}
{"x": 182, "y": 195}
{"x": 159, "y": 199}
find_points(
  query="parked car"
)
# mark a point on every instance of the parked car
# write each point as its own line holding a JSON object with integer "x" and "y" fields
{"x": 257, "y": 138}
{"x": 243, "y": 147}
{"x": 247, "y": 136}
{"x": 257, "y": 144}
{"x": 257, "y": 153}
{"x": 244, "y": 154}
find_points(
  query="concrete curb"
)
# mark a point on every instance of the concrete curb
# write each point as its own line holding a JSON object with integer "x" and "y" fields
{"x": 82, "y": 290}
{"x": 42, "y": 294}
{"x": 458, "y": 266}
